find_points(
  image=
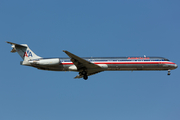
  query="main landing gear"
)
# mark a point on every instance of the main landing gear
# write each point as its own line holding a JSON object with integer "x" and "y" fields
{"x": 169, "y": 72}
{"x": 85, "y": 77}
{"x": 84, "y": 73}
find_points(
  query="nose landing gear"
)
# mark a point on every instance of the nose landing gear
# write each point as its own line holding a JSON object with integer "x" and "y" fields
{"x": 169, "y": 72}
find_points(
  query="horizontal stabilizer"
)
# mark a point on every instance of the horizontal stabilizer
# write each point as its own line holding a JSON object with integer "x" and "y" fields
{"x": 18, "y": 45}
{"x": 24, "y": 51}
{"x": 14, "y": 45}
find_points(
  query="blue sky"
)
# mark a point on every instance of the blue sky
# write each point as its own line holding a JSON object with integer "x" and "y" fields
{"x": 89, "y": 28}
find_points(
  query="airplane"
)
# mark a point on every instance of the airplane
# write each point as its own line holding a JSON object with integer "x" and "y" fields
{"x": 87, "y": 66}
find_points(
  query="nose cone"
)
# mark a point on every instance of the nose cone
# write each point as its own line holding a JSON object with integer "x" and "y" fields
{"x": 175, "y": 65}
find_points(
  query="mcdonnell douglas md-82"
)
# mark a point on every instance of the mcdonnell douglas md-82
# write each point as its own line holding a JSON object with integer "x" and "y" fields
{"x": 90, "y": 65}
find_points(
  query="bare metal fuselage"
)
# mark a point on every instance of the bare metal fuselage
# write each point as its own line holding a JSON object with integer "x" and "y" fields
{"x": 112, "y": 64}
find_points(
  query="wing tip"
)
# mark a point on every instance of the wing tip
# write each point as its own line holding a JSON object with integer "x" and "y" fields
{"x": 77, "y": 77}
{"x": 65, "y": 51}
{"x": 8, "y": 42}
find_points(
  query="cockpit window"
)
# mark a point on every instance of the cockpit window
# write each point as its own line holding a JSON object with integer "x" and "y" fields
{"x": 166, "y": 59}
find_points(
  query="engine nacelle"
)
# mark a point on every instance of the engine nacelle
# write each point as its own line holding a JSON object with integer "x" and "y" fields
{"x": 49, "y": 62}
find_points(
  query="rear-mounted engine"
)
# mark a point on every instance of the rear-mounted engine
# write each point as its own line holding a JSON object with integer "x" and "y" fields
{"x": 48, "y": 62}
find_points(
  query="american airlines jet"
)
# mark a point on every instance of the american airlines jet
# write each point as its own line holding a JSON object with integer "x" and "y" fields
{"x": 91, "y": 65}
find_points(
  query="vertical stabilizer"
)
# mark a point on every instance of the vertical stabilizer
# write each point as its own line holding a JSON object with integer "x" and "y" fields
{"x": 24, "y": 51}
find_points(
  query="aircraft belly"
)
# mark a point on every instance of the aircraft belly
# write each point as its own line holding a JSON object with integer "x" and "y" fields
{"x": 136, "y": 67}
{"x": 110, "y": 67}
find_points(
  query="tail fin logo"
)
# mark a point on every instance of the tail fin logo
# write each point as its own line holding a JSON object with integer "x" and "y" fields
{"x": 27, "y": 54}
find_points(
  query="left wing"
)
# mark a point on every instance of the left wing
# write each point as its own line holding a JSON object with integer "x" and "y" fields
{"x": 83, "y": 64}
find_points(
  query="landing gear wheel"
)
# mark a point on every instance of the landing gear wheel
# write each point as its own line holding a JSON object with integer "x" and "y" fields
{"x": 85, "y": 77}
{"x": 169, "y": 72}
{"x": 84, "y": 74}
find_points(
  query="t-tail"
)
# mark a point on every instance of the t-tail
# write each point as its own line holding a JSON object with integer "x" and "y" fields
{"x": 24, "y": 51}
